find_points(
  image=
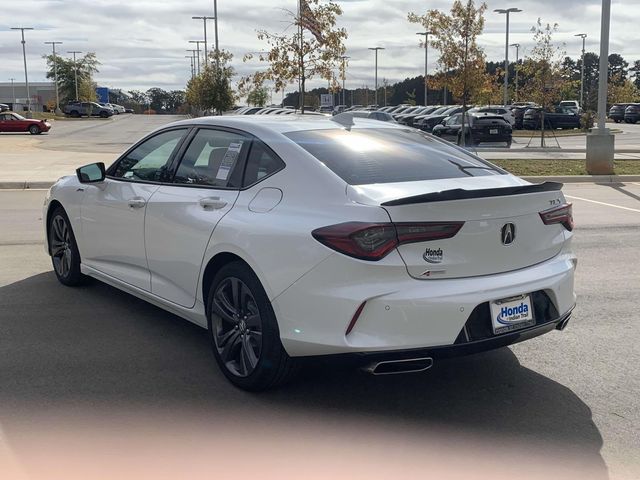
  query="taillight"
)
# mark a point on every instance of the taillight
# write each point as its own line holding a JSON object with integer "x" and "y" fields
{"x": 562, "y": 215}
{"x": 374, "y": 241}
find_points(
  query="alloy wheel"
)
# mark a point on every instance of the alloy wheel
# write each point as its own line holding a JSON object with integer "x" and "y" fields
{"x": 237, "y": 326}
{"x": 61, "y": 246}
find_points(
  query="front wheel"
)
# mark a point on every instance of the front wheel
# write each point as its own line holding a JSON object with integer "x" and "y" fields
{"x": 64, "y": 250}
{"x": 244, "y": 332}
{"x": 34, "y": 130}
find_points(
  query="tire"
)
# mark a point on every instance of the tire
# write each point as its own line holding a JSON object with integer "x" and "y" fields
{"x": 104, "y": 115}
{"x": 34, "y": 130}
{"x": 509, "y": 143}
{"x": 243, "y": 331}
{"x": 65, "y": 256}
{"x": 75, "y": 114}
{"x": 617, "y": 120}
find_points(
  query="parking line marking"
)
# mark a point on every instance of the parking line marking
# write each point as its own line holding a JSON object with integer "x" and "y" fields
{"x": 603, "y": 203}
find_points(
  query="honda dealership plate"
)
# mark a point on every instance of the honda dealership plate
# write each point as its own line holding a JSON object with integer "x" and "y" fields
{"x": 512, "y": 314}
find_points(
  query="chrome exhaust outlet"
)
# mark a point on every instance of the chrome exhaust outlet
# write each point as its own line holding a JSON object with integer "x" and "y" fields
{"x": 393, "y": 367}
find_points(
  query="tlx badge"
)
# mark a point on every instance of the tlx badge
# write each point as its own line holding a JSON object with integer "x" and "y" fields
{"x": 432, "y": 255}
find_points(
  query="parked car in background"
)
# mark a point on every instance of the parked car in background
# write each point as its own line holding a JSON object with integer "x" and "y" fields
{"x": 632, "y": 113}
{"x": 355, "y": 107}
{"x": 428, "y": 122}
{"x": 563, "y": 118}
{"x": 410, "y": 119}
{"x": 572, "y": 104}
{"x": 129, "y": 110}
{"x": 249, "y": 111}
{"x": 504, "y": 112}
{"x": 377, "y": 115}
{"x": 338, "y": 109}
{"x": 4, "y": 107}
{"x": 87, "y": 109}
{"x": 616, "y": 112}
{"x": 325, "y": 109}
{"x": 518, "y": 115}
{"x": 117, "y": 109}
{"x": 479, "y": 128}
{"x": 13, "y": 122}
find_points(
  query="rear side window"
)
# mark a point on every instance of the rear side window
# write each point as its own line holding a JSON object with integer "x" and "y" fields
{"x": 389, "y": 155}
{"x": 261, "y": 163}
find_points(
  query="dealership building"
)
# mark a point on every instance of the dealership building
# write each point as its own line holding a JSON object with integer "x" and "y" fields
{"x": 15, "y": 95}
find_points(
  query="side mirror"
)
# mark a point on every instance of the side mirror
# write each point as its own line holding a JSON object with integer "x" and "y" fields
{"x": 443, "y": 122}
{"x": 93, "y": 173}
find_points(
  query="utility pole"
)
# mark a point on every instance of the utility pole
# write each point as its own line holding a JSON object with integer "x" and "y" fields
{"x": 215, "y": 25}
{"x": 55, "y": 74}
{"x": 517, "y": 45}
{"x": 506, "y": 12}
{"x": 190, "y": 57}
{"x": 426, "y": 65}
{"x": 375, "y": 49}
{"x": 197, "y": 42}
{"x": 75, "y": 70}
{"x": 344, "y": 76}
{"x": 26, "y": 75}
{"x": 584, "y": 39}
{"x": 204, "y": 21}
{"x": 13, "y": 93}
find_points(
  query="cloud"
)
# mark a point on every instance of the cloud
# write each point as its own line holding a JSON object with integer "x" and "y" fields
{"x": 142, "y": 43}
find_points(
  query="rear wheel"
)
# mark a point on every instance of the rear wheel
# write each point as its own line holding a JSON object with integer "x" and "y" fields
{"x": 64, "y": 250}
{"x": 104, "y": 114}
{"x": 243, "y": 331}
{"x": 34, "y": 130}
{"x": 75, "y": 113}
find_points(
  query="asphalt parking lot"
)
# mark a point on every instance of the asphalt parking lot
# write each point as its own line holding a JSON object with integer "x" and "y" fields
{"x": 94, "y": 367}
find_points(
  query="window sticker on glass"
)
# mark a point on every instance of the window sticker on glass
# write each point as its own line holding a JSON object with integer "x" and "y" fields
{"x": 229, "y": 160}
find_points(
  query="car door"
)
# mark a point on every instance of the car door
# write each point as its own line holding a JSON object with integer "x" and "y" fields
{"x": 182, "y": 216}
{"x": 8, "y": 123}
{"x": 113, "y": 212}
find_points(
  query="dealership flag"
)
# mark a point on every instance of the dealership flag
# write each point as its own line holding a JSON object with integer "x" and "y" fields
{"x": 309, "y": 21}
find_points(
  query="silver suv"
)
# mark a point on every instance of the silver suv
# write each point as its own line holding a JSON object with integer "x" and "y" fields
{"x": 87, "y": 109}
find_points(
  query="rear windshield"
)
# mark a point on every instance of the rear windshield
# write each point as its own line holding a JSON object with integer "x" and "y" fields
{"x": 389, "y": 155}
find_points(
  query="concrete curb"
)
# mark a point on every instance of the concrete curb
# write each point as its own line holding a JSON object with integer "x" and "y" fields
{"x": 27, "y": 185}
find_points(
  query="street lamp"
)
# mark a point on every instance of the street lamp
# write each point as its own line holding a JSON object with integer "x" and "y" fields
{"x": 426, "y": 63}
{"x": 375, "y": 49}
{"x": 190, "y": 57}
{"x": 204, "y": 21}
{"x": 584, "y": 39}
{"x": 507, "y": 11}
{"x": 197, "y": 42}
{"x": 75, "y": 71}
{"x": 13, "y": 92}
{"x": 55, "y": 74}
{"x": 517, "y": 46}
{"x": 344, "y": 76}
{"x": 24, "y": 57}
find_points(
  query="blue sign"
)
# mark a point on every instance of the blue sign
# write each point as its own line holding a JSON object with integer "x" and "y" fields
{"x": 103, "y": 94}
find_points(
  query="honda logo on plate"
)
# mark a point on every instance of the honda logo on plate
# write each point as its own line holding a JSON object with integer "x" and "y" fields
{"x": 508, "y": 234}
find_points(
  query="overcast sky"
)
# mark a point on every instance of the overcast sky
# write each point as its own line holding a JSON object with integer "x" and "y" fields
{"x": 141, "y": 43}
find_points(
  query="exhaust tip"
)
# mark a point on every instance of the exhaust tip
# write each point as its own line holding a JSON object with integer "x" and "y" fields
{"x": 394, "y": 367}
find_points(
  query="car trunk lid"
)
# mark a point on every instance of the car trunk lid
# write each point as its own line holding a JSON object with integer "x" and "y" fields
{"x": 502, "y": 230}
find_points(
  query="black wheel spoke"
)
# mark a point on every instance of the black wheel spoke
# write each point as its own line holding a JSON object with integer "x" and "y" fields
{"x": 237, "y": 326}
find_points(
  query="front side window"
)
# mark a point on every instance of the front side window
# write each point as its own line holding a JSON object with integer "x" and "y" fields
{"x": 150, "y": 160}
{"x": 212, "y": 159}
{"x": 389, "y": 155}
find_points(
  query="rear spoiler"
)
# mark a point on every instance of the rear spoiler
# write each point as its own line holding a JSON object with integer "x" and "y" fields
{"x": 461, "y": 194}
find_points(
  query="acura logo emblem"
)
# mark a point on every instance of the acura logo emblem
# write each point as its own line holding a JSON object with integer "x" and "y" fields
{"x": 508, "y": 234}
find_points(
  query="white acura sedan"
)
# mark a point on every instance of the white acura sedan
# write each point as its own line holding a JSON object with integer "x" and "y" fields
{"x": 291, "y": 237}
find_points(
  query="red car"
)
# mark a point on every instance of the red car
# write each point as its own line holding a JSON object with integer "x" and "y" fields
{"x": 12, "y": 122}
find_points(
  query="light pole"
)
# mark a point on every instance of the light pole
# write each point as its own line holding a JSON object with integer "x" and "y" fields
{"x": 517, "y": 46}
{"x": 193, "y": 58}
{"x": 204, "y": 21}
{"x": 375, "y": 49}
{"x": 190, "y": 57}
{"x": 344, "y": 77}
{"x": 197, "y": 42}
{"x": 215, "y": 26}
{"x": 426, "y": 65}
{"x": 506, "y": 11}
{"x": 584, "y": 40}
{"x": 24, "y": 57}
{"x": 55, "y": 73}
{"x": 13, "y": 93}
{"x": 75, "y": 71}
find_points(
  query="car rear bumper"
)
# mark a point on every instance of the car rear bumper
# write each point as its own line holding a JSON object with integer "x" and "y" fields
{"x": 632, "y": 117}
{"x": 402, "y": 313}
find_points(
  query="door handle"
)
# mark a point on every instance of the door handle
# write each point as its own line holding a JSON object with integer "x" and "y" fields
{"x": 137, "y": 202}
{"x": 212, "y": 203}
